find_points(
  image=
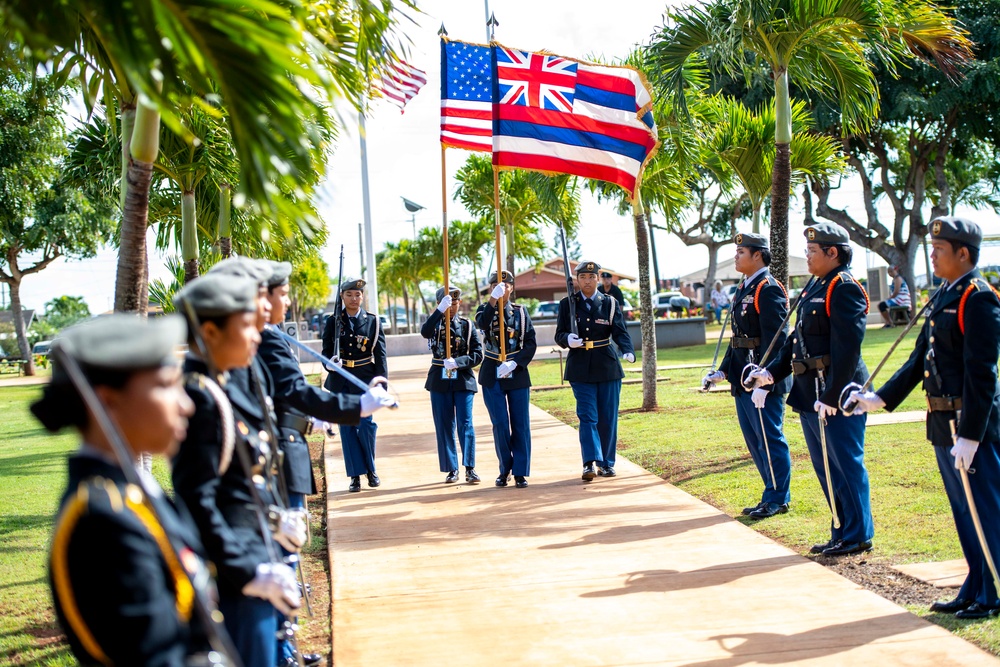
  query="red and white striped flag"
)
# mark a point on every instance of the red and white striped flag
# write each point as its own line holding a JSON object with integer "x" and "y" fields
{"x": 400, "y": 82}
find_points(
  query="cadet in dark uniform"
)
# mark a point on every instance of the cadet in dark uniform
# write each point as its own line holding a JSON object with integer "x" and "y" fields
{"x": 451, "y": 397}
{"x": 608, "y": 287}
{"x": 123, "y": 564}
{"x": 506, "y": 383}
{"x": 593, "y": 369}
{"x": 824, "y": 354}
{"x": 955, "y": 357}
{"x": 362, "y": 353}
{"x": 209, "y": 471}
{"x": 759, "y": 309}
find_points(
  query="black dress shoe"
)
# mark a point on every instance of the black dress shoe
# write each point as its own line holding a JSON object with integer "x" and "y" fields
{"x": 820, "y": 548}
{"x": 355, "y": 485}
{"x": 520, "y": 482}
{"x": 452, "y": 477}
{"x": 470, "y": 475}
{"x": 308, "y": 659}
{"x": 747, "y": 510}
{"x": 373, "y": 480}
{"x": 843, "y": 548}
{"x": 976, "y": 611}
{"x": 768, "y": 510}
{"x": 588, "y": 472}
{"x": 606, "y": 471}
{"x": 503, "y": 479}
{"x": 952, "y": 606}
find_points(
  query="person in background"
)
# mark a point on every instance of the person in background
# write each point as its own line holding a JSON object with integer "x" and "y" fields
{"x": 900, "y": 298}
{"x": 608, "y": 287}
{"x": 719, "y": 300}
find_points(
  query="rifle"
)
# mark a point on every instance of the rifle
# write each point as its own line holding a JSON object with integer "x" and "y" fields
{"x": 749, "y": 368}
{"x": 223, "y": 651}
{"x": 338, "y": 307}
{"x": 569, "y": 281}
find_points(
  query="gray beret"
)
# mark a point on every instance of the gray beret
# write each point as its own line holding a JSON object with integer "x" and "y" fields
{"x": 826, "y": 233}
{"x": 217, "y": 295}
{"x": 353, "y": 284}
{"x": 748, "y": 240}
{"x": 257, "y": 269}
{"x": 951, "y": 228}
{"x": 120, "y": 342}
{"x": 587, "y": 267}
{"x": 454, "y": 291}
{"x": 280, "y": 272}
{"x": 508, "y": 277}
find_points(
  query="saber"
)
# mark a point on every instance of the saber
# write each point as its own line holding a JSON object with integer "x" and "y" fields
{"x": 338, "y": 306}
{"x": 749, "y": 368}
{"x": 767, "y": 448}
{"x": 826, "y": 456}
{"x": 718, "y": 345}
{"x": 847, "y": 405}
{"x": 329, "y": 365}
{"x": 975, "y": 515}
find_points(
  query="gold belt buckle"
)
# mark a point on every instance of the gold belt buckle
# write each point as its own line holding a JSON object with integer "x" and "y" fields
{"x": 588, "y": 345}
{"x": 348, "y": 363}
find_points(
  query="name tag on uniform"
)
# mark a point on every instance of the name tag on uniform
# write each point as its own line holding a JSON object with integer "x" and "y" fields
{"x": 950, "y": 311}
{"x": 817, "y": 300}
{"x": 601, "y": 322}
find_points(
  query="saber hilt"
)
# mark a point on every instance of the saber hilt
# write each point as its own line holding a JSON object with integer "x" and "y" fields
{"x": 777, "y": 334}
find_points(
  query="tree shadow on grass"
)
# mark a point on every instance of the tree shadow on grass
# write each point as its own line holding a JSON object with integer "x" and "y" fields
{"x": 32, "y": 464}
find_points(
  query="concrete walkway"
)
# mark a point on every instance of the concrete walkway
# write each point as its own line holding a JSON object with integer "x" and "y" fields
{"x": 625, "y": 571}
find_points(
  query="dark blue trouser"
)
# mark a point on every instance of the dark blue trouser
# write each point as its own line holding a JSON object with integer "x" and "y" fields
{"x": 508, "y": 410}
{"x": 597, "y": 410}
{"x": 452, "y": 411}
{"x": 253, "y": 625}
{"x": 285, "y": 650}
{"x": 775, "y": 491}
{"x": 845, "y": 440}
{"x": 978, "y": 585}
{"x": 359, "y": 447}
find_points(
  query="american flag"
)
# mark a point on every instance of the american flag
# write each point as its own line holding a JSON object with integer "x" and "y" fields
{"x": 400, "y": 82}
{"x": 466, "y": 96}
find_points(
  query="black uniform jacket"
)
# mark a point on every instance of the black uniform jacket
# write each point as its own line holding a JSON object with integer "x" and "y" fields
{"x": 837, "y": 336}
{"x": 615, "y": 291}
{"x": 962, "y": 365}
{"x": 602, "y": 322}
{"x": 520, "y": 345}
{"x": 358, "y": 344}
{"x": 295, "y": 397}
{"x": 466, "y": 350}
{"x": 758, "y": 310}
{"x": 212, "y": 483}
{"x": 121, "y": 596}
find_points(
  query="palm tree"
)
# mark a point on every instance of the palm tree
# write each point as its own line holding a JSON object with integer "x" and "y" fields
{"x": 828, "y": 46}
{"x": 470, "y": 237}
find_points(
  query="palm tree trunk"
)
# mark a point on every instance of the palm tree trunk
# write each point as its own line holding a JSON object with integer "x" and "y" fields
{"x": 646, "y": 323}
{"x": 131, "y": 283}
{"x": 422, "y": 299}
{"x": 19, "y": 330}
{"x": 406, "y": 305}
{"x": 225, "y": 216}
{"x": 713, "y": 263}
{"x": 475, "y": 286}
{"x": 781, "y": 178}
{"x": 128, "y": 123}
{"x": 652, "y": 250}
{"x": 189, "y": 236}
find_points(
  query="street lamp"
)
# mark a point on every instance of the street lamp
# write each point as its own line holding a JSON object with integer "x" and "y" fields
{"x": 412, "y": 207}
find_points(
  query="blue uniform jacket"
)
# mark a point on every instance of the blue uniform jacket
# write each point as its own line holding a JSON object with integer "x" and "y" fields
{"x": 106, "y": 563}
{"x": 466, "y": 350}
{"x": 367, "y": 342}
{"x": 966, "y": 363}
{"x": 816, "y": 334}
{"x": 604, "y": 321}
{"x": 758, "y": 309}
{"x": 520, "y": 344}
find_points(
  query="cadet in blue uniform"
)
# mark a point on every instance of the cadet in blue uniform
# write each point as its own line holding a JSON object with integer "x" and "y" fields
{"x": 451, "y": 397}
{"x": 824, "y": 355}
{"x": 955, "y": 357}
{"x": 362, "y": 353}
{"x": 506, "y": 383}
{"x": 210, "y": 475}
{"x": 759, "y": 309}
{"x": 122, "y": 594}
{"x": 593, "y": 369}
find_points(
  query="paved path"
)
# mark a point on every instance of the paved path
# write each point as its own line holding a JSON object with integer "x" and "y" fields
{"x": 627, "y": 571}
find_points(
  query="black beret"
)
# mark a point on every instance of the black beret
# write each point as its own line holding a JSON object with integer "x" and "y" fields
{"x": 826, "y": 233}
{"x": 353, "y": 284}
{"x": 280, "y": 272}
{"x": 951, "y": 228}
{"x": 454, "y": 291}
{"x": 748, "y": 240}
{"x": 508, "y": 277}
{"x": 121, "y": 342}
{"x": 587, "y": 267}
{"x": 216, "y": 295}
{"x": 259, "y": 270}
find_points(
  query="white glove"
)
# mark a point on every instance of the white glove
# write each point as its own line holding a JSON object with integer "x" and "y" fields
{"x": 374, "y": 399}
{"x": 506, "y": 368}
{"x": 445, "y": 303}
{"x": 336, "y": 361}
{"x": 761, "y": 377}
{"x": 574, "y": 341}
{"x": 823, "y": 410}
{"x": 291, "y": 531}
{"x": 868, "y": 401}
{"x": 759, "y": 397}
{"x": 499, "y": 291}
{"x": 450, "y": 364}
{"x": 964, "y": 451}
{"x": 629, "y": 357}
{"x": 713, "y": 378}
{"x": 275, "y": 582}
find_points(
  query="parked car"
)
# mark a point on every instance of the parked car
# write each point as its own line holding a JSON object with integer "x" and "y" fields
{"x": 661, "y": 302}
{"x": 546, "y": 310}
{"x": 628, "y": 312}
{"x": 41, "y": 348}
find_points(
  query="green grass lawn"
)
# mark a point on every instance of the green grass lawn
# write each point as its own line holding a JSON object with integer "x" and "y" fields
{"x": 693, "y": 441}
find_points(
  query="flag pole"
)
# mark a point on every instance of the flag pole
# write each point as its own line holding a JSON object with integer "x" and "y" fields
{"x": 501, "y": 313}
{"x": 444, "y": 225}
{"x": 369, "y": 258}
